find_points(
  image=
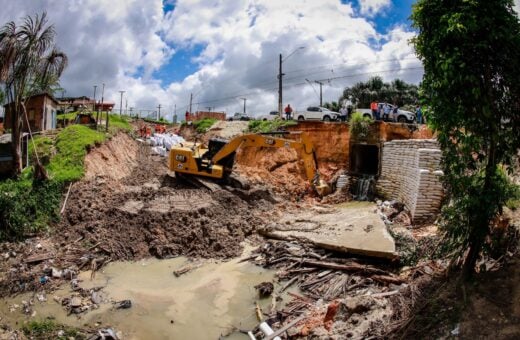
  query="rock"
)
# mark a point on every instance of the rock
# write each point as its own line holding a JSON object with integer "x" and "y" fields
{"x": 265, "y": 289}
{"x": 125, "y": 304}
{"x": 95, "y": 298}
{"x": 39, "y": 246}
{"x": 75, "y": 302}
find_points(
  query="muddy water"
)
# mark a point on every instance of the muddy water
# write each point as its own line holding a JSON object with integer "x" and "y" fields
{"x": 203, "y": 304}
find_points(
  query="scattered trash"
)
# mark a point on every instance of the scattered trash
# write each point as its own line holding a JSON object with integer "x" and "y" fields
{"x": 456, "y": 330}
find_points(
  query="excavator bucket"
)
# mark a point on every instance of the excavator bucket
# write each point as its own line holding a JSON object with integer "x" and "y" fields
{"x": 322, "y": 188}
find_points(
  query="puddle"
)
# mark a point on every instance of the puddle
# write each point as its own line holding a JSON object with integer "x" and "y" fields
{"x": 203, "y": 304}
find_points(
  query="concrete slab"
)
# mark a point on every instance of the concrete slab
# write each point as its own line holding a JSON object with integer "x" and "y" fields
{"x": 354, "y": 227}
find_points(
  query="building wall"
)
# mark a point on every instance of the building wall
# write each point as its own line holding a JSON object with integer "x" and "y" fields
{"x": 410, "y": 173}
{"x": 39, "y": 113}
{"x": 204, "y": 114}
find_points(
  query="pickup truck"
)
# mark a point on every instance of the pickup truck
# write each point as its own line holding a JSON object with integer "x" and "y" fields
{"x": 240, "y": 116}
{"x": 401, "y": 116}
{"x": 316, "y": 113}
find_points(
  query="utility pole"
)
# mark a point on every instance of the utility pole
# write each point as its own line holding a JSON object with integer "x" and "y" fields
{"x": 121, "y": 104}
{"x": 191, "y": 100}
{"x": 102, "y": 99}
{"x": 244, "y": 99}
{"x": 175, "y": 114}
{"x": 94, "y": 106}
{"x": 126, "y": 107}
{"x": 159, "y": 112}
{"x": 209, "y": 108}
{"x": 321, "y": 93}
{"x": 280, "y": 74}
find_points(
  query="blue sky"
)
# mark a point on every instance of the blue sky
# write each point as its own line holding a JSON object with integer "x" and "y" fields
{"x": 159, "y": 52}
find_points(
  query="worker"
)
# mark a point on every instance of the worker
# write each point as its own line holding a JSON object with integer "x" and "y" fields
{"x": 288, "y": 111}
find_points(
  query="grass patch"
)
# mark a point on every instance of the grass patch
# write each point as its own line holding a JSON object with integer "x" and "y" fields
{"x": 45, "y": 147}
{"x": 27, "y": 207}
{"x": 203, "y": 125}
{"x": 72, "y": 144}
{"x": 268, "y": 125}
{"x": 69, "y": 115}
{"x": 48, "y": 329}
{"x": 117, "y": 122}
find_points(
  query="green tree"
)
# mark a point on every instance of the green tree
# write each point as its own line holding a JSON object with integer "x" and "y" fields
{"x": 29, "y": 64}
{"x": 397, "y": 92}
{"x": 470, "y": 52}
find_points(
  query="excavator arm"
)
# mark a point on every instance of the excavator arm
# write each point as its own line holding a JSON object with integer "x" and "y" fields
{"x": 213, "y": 167}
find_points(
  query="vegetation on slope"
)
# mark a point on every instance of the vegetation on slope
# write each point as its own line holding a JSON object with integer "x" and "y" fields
{"x": 257, "y": 126}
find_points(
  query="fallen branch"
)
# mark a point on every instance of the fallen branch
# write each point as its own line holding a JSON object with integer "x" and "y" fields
{"x": 353, "y": 267}
{"x": 288, "y": 284}
{"x": 66, "y": 198}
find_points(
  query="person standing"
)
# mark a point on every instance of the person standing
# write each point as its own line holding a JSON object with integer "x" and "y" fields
{"x": 288, "y": 111}
{"x": 375, "y": 110}
{"x": 418, "y": 114}
{"x": 343, "y": 114}
{"x": 386, "y": 111}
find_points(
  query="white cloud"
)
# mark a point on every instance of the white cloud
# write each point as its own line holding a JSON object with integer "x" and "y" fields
{"x": 373, "y": 7}
{"x": 121, "y": 43}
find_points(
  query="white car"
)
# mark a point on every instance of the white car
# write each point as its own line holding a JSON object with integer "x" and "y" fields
{"x": 401, "y": 116}
{"x": 316, "y": 113}
{"x": 271, "y": 116}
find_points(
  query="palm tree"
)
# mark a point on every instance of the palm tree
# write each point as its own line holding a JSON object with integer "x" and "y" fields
{"x": 29, "y": 64}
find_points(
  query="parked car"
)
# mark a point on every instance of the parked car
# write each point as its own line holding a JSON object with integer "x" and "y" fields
{"x": 316, "y": 113}
{"x": 240, "y": 116}
{"x": 271, "y": 116}
{"x": 401, "y": 116}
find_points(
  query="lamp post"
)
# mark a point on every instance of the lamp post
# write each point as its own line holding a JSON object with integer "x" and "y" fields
{"x": 280, "y": 74}
{"x": 244, "y": 99}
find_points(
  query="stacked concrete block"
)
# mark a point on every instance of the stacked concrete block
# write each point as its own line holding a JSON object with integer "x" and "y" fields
{"x": 410, "y": 174}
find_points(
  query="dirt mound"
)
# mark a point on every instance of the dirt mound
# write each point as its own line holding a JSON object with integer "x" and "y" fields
{"x": 114, "y": 159}
{"x": 149, "y": 213}
{"x": 280, "y": 168}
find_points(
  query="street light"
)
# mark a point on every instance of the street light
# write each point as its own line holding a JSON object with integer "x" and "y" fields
{"x": 280, "y": 74}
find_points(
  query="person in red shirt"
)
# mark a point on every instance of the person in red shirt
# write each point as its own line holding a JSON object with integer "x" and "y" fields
{"x": 375, "y": 110}
{"x": 288, "y": 111}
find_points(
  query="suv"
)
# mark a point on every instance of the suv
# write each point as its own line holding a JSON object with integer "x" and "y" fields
{"x": 401, "y": 116}
{"x": 316, "y": 113}
{"x": 240, "y": 116}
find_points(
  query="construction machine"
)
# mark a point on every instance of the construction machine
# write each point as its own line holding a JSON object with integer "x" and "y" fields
{"x": 216, "y": 161}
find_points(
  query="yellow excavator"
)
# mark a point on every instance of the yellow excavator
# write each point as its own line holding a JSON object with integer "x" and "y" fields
{"x": 216, "y": 161}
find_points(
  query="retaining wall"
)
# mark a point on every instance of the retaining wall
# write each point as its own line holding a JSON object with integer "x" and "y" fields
{"x": 410, "y": 173}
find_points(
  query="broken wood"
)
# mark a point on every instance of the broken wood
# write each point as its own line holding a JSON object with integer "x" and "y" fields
{"x": 388, "y": 279}
{"x": 182, "y": 270}
{"x": 385, "y": 294}
{"x": 288, "y": 284}
{"x": 39, "y": 258}
{"x": 66, "y": 198}
{"x": 285, "y": 328}
{"x": 352, "y": 267}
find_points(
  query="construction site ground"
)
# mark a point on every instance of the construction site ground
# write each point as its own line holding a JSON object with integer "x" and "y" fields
{"x": 130, "y": 208}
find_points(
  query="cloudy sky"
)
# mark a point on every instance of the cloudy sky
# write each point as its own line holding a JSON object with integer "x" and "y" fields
{"x": 221, "y": 51}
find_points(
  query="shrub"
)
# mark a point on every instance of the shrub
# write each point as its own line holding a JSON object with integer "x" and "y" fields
{"x": 359, "y": 125}
{"x": 203, "y": 125}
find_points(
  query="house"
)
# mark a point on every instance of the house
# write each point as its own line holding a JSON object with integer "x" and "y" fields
{"x": 6, "y": 156}
{"x": 107, "y": 106}
{"x": 74, "y": 103}
{"x": 41, "y": 113}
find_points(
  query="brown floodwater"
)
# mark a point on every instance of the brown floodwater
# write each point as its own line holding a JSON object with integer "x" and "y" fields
{"x": 203, "y": 304}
